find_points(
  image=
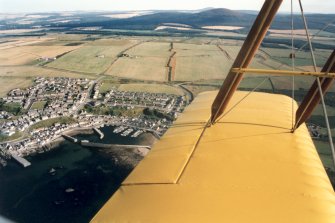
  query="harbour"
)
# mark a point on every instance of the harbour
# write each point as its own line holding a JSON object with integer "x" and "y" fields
{"x": 93, "y": 174}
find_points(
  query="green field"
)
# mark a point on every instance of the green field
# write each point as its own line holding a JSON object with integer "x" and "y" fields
{"x": 107, "y": 86}
{"x": 38, "y": 105}
{"x": 324, "y": 151}
{"x": 93, "y": 59}
{"x": 151, "y": 88}
{"x": 262, "y": 83}
{"x": 303, "y": 58}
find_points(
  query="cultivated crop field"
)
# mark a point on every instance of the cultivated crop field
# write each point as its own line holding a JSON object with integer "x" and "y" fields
{"x": 146, "y": 61}
{"x": 7, "y": 43}
{"x": 196, "y": 62}
{"x": 23, "y": 55}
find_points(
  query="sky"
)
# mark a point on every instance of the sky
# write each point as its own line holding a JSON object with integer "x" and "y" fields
{"x": 13, "y": 6}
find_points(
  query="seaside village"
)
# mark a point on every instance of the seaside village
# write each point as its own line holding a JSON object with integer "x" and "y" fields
{"x": 54, "y": 106}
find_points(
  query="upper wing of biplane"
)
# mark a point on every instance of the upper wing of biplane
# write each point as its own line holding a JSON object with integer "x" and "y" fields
{"x": 248, "y": 167}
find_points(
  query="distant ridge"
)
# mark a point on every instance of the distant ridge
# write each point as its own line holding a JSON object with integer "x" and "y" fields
{"x": 151, "y": 19}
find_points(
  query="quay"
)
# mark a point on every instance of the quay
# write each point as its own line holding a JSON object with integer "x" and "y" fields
{"x": 70, "y": 138}
{"x": 99, "y": 132}
{"x": 110, "y": 146}
{"x": 25, "y": 163}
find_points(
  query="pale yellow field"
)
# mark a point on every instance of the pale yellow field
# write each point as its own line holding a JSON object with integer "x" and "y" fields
{"x": 152, "y": 88}
{"x": 151, "y": 49}
{"x": 35, "y": 71}
{"x": 223, "y": 27}
{"x": 197, "y": 62}
{"x": 115, "y": 42}
{"x": 9, "y": 83}
{"x": 143, "y": 68}
{"x": 26, "y": 54}
{"x": 22, "y": 42}
{"x": 146, "y": 61}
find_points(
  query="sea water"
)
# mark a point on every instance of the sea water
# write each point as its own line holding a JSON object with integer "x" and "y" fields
{"x": 67, "y": 184}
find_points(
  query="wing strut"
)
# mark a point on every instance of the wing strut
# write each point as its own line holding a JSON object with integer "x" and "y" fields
{"x": 246, "y": 54}
{"x": 313, "y": 96}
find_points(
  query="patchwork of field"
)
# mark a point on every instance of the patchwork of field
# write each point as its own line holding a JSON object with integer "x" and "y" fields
{"x": 146, "y": 61}
{"x": 93, "y": 58}
{"x": 208, "y": 61}
{"x": 7, "y": 43}
{"x": 302, "y": 58}
{"x": 301, "y": 33}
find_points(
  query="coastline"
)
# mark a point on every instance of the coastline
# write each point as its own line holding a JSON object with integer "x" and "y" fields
{"x": 59, "y": 139}
{"x": 144, "y": 139}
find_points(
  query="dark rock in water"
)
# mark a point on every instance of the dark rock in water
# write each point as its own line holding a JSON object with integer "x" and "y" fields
{"x": 59, "y": 202}
{"x": 52, "y": 171}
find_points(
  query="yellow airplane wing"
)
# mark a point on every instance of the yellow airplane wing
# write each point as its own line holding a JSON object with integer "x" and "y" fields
{"x": 248, "y": 167}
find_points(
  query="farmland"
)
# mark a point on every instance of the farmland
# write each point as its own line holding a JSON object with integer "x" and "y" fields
{"x": 31, "y": 54}
{"x": 151, "y": 88}
{"x": 37, "y": 71}
{"x": 146, "y": 61}
{"x": 9, "y": 83}
{"x": 93, "y": 58}
{"x": 196, "y": 62}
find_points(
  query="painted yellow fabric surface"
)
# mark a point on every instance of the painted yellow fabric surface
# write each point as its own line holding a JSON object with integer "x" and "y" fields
{"x": 246, "y": 168}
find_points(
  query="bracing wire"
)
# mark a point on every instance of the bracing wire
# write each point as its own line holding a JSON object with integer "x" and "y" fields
{"x": 319, "y": 84}
{"x": 312, "y": 37}
{"x": 242, "y": 99}
{"x": 293, "y": 61}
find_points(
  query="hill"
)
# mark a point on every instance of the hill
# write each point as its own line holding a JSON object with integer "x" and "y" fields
{"x": 149, "y": 20}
